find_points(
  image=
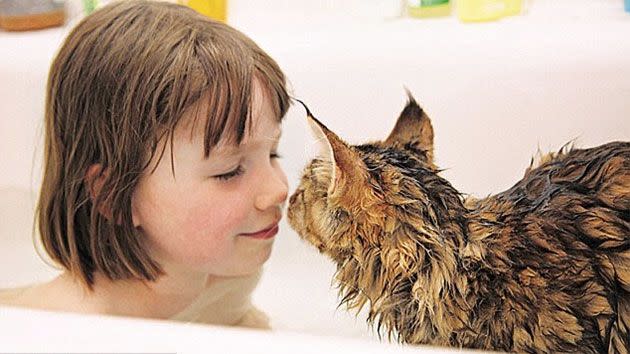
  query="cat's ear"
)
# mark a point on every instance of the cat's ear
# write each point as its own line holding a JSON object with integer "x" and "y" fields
{"x": 345, "y": 162}
{"x": 413, "y": 126}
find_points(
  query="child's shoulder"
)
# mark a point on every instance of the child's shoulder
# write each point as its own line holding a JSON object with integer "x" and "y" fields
{"x": 43, "y": 296}
{"x": 15, "y": 296}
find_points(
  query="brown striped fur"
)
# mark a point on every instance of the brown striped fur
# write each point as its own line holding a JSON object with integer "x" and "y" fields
{"x": 541, "y": 267}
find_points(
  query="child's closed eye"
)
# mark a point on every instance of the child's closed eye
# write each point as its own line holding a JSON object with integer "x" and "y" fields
{"x": 239, "y": 170}
{"x": 229, "y": 175}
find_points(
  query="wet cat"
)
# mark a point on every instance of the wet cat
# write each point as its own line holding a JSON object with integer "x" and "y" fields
{"x": 541, "y": 267}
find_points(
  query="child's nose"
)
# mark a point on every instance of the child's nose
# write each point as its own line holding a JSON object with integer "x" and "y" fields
{"x": 274, "y": 191}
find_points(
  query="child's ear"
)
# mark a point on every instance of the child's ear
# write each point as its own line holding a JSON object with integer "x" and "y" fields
{"x": 94, "y": 180}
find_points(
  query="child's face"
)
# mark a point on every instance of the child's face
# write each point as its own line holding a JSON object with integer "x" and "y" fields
{"x": 197, "y": 219}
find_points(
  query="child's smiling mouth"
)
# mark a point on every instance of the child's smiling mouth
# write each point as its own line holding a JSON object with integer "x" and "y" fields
{"x": 265, "y": 233}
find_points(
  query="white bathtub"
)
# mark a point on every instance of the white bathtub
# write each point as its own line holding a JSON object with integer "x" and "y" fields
{"x": 495, "y": 91}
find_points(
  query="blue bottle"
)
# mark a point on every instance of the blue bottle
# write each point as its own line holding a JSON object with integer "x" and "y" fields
{"x": 627, "y": 2}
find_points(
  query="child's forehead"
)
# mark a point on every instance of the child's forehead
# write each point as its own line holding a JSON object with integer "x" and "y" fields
{"x": 196, "y": 133}
{"x": 263, "y": 130}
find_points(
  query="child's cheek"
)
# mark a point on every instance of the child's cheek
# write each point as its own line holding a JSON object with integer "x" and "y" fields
{"x": 213, "y": 226}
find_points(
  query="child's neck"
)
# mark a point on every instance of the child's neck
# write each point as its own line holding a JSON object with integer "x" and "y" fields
{"x": 161, "y": 300}
{"x": 207, "y": 299}
{"x": 131, "y": 298}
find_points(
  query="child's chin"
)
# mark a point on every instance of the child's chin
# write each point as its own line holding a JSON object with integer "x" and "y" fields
{"x": 257, "y": 261}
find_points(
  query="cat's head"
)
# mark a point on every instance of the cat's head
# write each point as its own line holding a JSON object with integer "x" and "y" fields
{"x": 382, "y": 194}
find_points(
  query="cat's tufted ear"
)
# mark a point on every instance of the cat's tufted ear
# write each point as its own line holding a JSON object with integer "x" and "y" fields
{"x": 413, "y": 126}
{"x": 347, "y": 168}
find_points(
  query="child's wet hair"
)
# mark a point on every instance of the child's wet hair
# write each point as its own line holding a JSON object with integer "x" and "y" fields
{"x": 117, "y": 89}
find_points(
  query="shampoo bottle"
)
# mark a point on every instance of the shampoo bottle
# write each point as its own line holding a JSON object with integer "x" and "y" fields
{"x": 480, "y": 10}
{"x": 216, "y": 9}
{"x": 428, "y": 8}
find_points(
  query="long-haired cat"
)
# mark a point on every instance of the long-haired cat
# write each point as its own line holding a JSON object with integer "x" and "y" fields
{"x": 541, "y": 267}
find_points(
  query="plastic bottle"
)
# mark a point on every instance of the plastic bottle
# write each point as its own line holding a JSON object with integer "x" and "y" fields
{"x": 428, "y": 8}
{"x": 216, "y": 9}
{"x": 513, "y": 7}
{"x": 89, "y": 6}
{"x": 26, "y": 15}
{"x": 487, "y": 10}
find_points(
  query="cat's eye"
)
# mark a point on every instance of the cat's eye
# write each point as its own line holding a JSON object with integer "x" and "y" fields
{"x": 340, "y": 214}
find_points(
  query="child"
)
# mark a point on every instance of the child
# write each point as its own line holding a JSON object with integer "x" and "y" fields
{"x": 162, "y": 192}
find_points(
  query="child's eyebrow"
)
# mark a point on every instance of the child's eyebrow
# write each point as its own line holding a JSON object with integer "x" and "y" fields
{"x": 228, "y": 151}
{"x": 274, "y": 137}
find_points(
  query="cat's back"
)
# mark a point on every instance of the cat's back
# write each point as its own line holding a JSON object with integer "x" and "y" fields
{"x": 562, "y": 244}
{"x": 576, "y": 204}
{"x": 599, "y": 177}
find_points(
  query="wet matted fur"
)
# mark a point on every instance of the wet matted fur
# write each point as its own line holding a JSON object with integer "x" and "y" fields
{"x": 541, "y": 267}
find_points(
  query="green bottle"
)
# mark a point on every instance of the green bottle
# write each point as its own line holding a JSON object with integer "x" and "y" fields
{"x": 89, "y": 6}
{"x": 428, "y": 8}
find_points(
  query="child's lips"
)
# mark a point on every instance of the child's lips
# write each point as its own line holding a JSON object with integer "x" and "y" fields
{"x": 266, "y": 233}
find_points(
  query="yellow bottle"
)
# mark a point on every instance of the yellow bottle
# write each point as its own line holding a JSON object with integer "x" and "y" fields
{"x": 513, "y": 7}
{"x": 428, "y": 8}
{"x": 216, "y": 9}
{"x": 487, "y": 10}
